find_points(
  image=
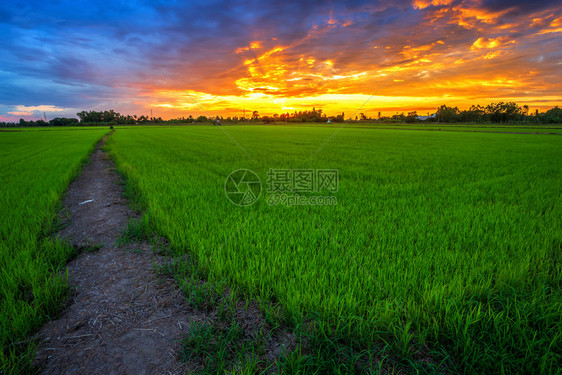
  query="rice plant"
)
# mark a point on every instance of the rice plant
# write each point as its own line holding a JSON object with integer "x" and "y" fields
{"x": 441, "y": 254}
{"x": 35, "y": 169}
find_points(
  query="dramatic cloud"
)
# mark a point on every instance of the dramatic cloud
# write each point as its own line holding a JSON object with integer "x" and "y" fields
{"x": 221, "y": 57}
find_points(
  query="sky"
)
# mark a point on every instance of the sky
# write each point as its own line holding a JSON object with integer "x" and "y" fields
{"x": 227, "y": 58}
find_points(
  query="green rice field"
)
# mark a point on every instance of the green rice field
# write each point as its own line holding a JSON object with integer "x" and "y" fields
{"x": 442, "y": 254}
{"x": 35, "y": 170}
{"x": 466, "y": 127}
{"x": 439, "y": 252}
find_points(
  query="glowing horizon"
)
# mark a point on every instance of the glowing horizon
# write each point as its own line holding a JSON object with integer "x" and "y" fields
{"x": 187, "y": 59}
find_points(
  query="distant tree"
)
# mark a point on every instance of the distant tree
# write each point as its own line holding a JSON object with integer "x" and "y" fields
{"x": 57, "y": 121}
{"x": 97, "y": 117}
{"x": 447, "y": 114}
{"x": 412, "y": 117}
{"x": 494, "y": 112}
{"x": 399, "y": 117}
{"x": 143, "y": 119}
{"x": 110, "y": 116}
{"x": 553, "y": 115}
{"x": 504, "y": 112}
{"x": 475, "y": 113}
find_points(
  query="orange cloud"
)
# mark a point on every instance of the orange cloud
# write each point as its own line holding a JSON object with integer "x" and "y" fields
{"x": 413, "y": 52}
{"x": 474, "y": 17}
{"x": 295, "y": 54}
{"x": 322, "y": 68}
{"x": 489, "y": 43}
{"x": 555, "y": 24}
{"x": 550, "y": 31}
{"x": 422, "y": 4}
{"x": 538, "y": 22}
{"x": 493, "y": 55}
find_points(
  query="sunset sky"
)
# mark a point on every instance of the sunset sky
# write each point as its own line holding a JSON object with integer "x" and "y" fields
{"x": 221, "y": 57}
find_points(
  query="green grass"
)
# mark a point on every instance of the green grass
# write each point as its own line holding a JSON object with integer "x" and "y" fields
{"x": 217, "y": 346}
{"x": 35, "y": 169}
{"x": 136, "y": 231}
{"x": 478, "y": 127}
{"x": 442, "y": 254}
{"x": 469, "y": 127}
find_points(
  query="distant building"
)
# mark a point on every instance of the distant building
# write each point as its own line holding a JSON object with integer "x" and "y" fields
{"x": 423, "y": 118}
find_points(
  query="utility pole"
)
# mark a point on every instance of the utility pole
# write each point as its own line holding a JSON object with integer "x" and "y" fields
{"x": 151, "y": 113}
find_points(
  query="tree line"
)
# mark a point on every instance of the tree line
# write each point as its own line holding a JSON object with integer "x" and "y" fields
{"x": 502, "y": 112}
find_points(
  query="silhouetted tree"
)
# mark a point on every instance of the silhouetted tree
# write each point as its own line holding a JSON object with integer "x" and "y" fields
{"x": 412, "y": 117}
{"x": 553, "y": 115}
{"x": 63, "y": 122}
{"x": 504, "y": 112}
{"x": 447, "y": 114}
{"x": 473, "y": 114}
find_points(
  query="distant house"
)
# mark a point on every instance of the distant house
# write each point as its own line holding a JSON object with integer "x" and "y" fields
{"x": 423, "y": 118}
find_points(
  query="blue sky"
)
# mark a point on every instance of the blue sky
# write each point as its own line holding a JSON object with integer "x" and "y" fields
{"x": 61, "y": 57}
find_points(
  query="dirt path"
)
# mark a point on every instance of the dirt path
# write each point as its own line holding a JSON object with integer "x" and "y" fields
{"x": 121, "y": 318}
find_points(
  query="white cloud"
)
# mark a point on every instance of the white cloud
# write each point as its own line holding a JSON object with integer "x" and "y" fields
{"x": 41, "y": 108}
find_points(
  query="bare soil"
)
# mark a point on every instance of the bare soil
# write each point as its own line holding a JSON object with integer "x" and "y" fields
{"x": 121, "y": 317}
